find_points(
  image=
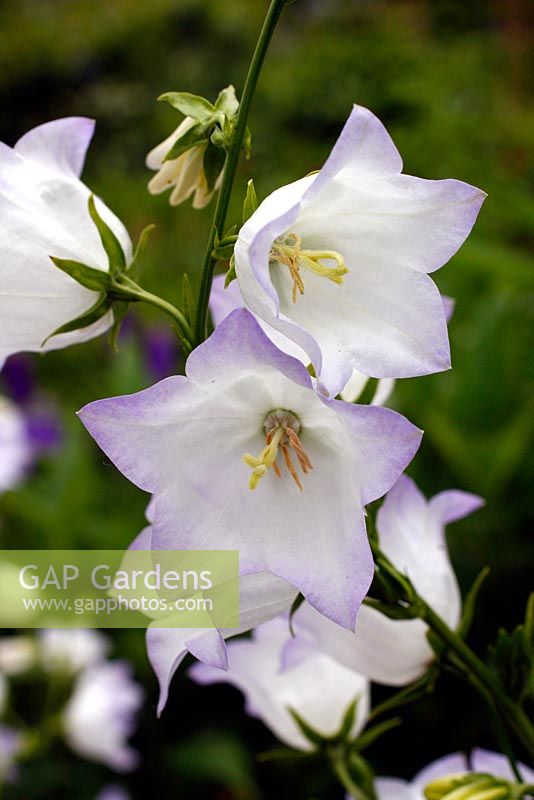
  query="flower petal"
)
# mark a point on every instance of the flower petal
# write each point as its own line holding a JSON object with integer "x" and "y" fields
{"x": 60, "y": 144}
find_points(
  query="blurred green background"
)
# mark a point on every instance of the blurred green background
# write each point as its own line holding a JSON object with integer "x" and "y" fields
{"x": 452, "y": 81}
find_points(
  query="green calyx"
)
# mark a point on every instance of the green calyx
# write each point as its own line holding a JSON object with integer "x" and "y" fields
{"x": 212, "y": 126}
{"x": 116, "y": 287}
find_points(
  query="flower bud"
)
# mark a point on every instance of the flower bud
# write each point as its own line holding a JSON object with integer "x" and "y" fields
{"x": 474, "y": 786}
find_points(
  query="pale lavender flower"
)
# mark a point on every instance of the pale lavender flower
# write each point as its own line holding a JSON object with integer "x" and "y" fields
{"x": 43, "y": 206}
{"x": 244, "y": 412}
{"x": 113, "y": 792}
{"x": 337, "y": 261}
{"x": 319, "y": 690}
{"x": 100, "y": 715}
{"x": 412, "y": 534}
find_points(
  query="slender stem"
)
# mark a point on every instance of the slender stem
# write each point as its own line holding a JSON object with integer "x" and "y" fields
{"x": 339, "y": 767}
{"x": 511, "y": 711}
{"x": 221, "y": 210}
{"x": 131, "y": 290}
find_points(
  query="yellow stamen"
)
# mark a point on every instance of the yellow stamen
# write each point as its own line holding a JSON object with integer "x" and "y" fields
{"x": 291, "y": 253}
{"x": 280, "y": 434}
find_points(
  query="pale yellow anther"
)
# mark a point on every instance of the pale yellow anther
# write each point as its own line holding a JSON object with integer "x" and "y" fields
{"x": 291, "y": 253}
{"x": 281, "y": 433}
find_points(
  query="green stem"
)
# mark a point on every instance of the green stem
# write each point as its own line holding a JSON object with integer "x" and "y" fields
{"x": 514, "y": 715}
{"x": 128, "y": 290}
{"x": 221, "y": 210}
{"x": 339, "y": 766}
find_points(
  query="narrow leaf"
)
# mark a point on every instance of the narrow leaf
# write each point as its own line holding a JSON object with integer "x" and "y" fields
{"x": 91, "y": 278}
{"x": 140, "y": 249}
{"x": 348, "y": 719}
{"x": 112, "y": 246}
{"x": 191, "y": 105}
{"x": 101, "y": 307}
{"x": 213, "y": 163}
{"x": 470, "y": 603}
{"x": 251, "y": 201}
{"x": 296, "y": 604}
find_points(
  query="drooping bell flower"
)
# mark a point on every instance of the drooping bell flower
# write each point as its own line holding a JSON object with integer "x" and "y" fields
{"x": 43, "y": 205}
{"x": 411, "y": 532}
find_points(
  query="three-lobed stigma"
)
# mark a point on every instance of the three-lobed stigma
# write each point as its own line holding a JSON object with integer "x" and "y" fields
{"x": 288, "y": 250}
{"x": 282, "y": 430}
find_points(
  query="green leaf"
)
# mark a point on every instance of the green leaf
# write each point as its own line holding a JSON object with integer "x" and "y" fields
{"x": 101, "y": 307}
{"x": 227, "y": 102}
{"x": 231, "y": 274}
{"x": 250, "y": 203}
{"x": 196, "y": 135}
{"x": 120, "y": 309}
{"x": 188, "y": 301}
{"x": 112, "y": 246}
{"x": 94, "y": 279}
{"x": 213, "y": 163}
{"x": 142, "y": 242}
{"x": 191, "y": 105}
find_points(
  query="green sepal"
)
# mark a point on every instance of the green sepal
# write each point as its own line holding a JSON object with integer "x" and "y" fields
{"x": 310, "y": 733}
{"x": 470, "y": 601}
{"x": 188, "y": 300}
{"x": 227, "y": 102}
{"x": 191, "y": 105}
{"x": 120, "y": 309}
{"x": 213, "y": 164}
{"x": 295, "y": 605}
{"x": 250, "y": 203}
{"x": 101, "y": 307}
{"x": 231, "y": 275}
{"x": 368, "y": 392}
{"x": 94, "y": 279}
{"x": 512, "y": 660}
{"x": 348, "y": 720}
{"x": 140, "y": 249}
{"x": 196, "y": 135}
{"x": 112, "y": 246}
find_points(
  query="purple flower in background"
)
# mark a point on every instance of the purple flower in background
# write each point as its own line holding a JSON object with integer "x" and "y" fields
{"x": 412, "y": 534}
{"x": 483, "y": 761}
{"x": 320, "y": 690}
{"x": 161, "y": 351}
{"x": 44, "y": 213}
{"x": 11, "y": 743}
{"x": 100, "y": 715}
{"x": 337, "y": 261}
{"x": 113, "y": 792}
{"x": 15, "y": 446}
{"x": 246, "y": 418}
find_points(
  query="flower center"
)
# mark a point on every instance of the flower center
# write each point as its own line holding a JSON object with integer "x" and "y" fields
{"x": 288, "y": 250}
{"x": 282, "y": 430}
